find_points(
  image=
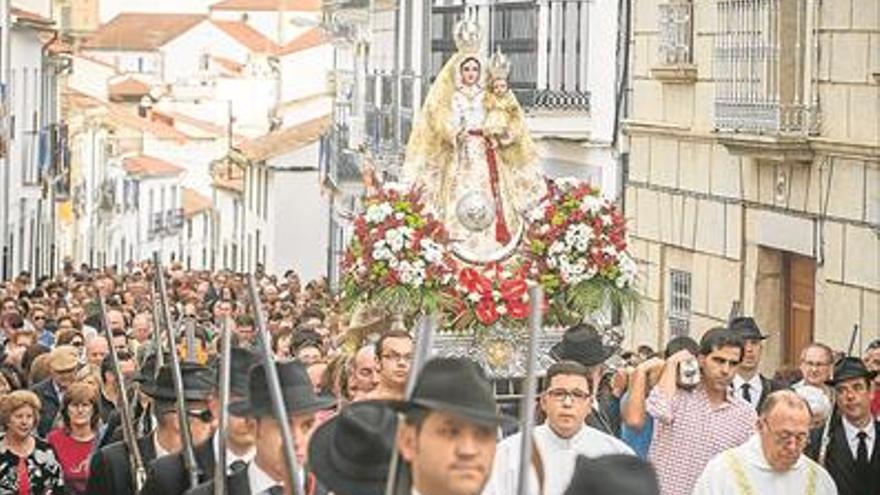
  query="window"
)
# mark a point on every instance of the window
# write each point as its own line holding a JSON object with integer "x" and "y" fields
{"x": 679, "y": 303}
{"x": 765, "y": 66}
{"x": 676, "y": 35}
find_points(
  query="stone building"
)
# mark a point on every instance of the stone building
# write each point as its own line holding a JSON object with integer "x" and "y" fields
{"x": 754, "y": 169}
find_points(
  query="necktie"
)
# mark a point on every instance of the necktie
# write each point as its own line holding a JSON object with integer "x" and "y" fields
{"x": 237, "y": 466}
{"x": 275, "y": 490}
{"x": 862, "y": 451}
{"x": 747, "y": 392}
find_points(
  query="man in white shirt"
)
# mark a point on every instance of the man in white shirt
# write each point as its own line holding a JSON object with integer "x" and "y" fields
{"x": 564, "y": 436}
{"x": 772, "y": 461}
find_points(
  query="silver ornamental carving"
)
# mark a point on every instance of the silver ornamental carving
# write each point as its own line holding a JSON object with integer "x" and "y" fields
{"x": 475, "y": 211}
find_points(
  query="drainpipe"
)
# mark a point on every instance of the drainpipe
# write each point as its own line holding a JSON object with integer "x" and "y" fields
{"x": 5, "y": 37}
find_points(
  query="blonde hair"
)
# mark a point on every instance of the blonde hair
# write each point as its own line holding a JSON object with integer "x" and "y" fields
{"x": 15, "y": 401}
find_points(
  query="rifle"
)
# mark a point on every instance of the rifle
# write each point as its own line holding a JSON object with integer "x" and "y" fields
{"x": 138, "y": 472}
{"x": 189, "y": 457}
{"x": 225, "y": 356}
{"x": 826, "y": 432}
{"x": 274, "y": 387}
{"x": 157, "y": 324}
{"x": 527, "y": 409}
{"x": 424, "y": 342}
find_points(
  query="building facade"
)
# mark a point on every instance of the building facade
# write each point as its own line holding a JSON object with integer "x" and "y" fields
{"x": 754, "y": 168}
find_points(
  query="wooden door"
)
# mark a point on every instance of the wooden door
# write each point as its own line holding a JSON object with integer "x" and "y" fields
{"x": 800, "y": 285}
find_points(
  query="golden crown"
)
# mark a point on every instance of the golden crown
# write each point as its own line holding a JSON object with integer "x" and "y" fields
{"x": 499, "y": 65}
{"x": 468, "y": 37}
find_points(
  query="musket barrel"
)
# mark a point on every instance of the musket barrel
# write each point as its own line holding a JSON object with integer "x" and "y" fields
{"x": 527, "y": 408}
{"x": 225, "y": 363}
{"x": 274, "y": 387}
{"x": 189, "y": 457}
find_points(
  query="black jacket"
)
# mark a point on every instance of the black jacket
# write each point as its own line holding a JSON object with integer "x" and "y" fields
{"x": 840, "y": 461}
{"x": 237, "y": 483}
{"x": 167, "y": 475}
{"x": 110, "y": 470}
{"x": 50, "y": 403}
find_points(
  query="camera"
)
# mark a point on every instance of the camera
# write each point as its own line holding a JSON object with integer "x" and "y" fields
{"x": 688, "y": 373}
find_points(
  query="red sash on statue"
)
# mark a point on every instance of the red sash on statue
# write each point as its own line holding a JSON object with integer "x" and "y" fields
{"x": 502, "y": 232}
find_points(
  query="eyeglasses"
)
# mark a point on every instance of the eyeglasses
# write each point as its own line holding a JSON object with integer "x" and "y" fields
{"x": 561, "y": 394}
{"x": 393, "y": 356}
{"x": 815, "y": 364}
{"x": 784, "y": 437}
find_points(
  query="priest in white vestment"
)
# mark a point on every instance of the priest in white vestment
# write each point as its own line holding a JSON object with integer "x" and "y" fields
{"x": 566, "y": 402}
{"x": 771, "y": 461}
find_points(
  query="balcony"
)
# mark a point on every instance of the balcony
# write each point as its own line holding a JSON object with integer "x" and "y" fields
{"x": 766, "y": 93}
{"x": 545, "y": 40}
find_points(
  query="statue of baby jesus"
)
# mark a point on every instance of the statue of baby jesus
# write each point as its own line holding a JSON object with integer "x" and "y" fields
{"x": 501, "y": 104}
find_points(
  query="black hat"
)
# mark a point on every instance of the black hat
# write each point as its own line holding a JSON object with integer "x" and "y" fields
{"x": 848, "y": 368}
{"x": 613, "y": 475}
{"x": 746, "y": 328}
{"x": 350, "y": 453}
{"x": 296, "y": 388}
{"x": 198, "y": 382}
{"x": 241, "y": 361}
{"x": 582, "y": 343}
{"x": 457, "y": 386}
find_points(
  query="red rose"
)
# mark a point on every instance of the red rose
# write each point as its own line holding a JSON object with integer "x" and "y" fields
{"x": 474, "y": 282}
{"x": 517, "y": 309}
{"x": 487, "y": 313}
{"x": 513, "y": 290}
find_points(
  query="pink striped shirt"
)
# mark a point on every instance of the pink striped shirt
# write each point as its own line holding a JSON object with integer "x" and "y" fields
{"x": 689, "y": 431}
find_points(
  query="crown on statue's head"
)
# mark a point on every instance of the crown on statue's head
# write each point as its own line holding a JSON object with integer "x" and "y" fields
{"x": 468, "y": 37}
{"x": 499, "y": 65}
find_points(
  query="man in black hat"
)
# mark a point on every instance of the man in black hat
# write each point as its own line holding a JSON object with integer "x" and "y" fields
{"x": 350, "y": 453}
{"x": 583, "y": 344}
{"x": 748, "y": 383}
{"x": 853, "y": 455}
{"x": 448, "y": 438}
{"x": 110, "y": 469}
{"x": 168, "y": 476}
{"x": 267, "y": 474}
{"x": 613, "y": 475}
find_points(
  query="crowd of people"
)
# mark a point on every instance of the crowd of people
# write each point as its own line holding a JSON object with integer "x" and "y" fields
{"x": 697, "y": 417}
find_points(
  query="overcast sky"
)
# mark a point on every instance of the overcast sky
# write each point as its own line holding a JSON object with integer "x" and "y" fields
{"x": 109, "y": 8}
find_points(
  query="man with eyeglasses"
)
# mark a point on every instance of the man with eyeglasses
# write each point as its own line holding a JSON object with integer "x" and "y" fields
{"x": 816, "y": 362}
{"x": 394, "y": 353}
{"x": 772, "y": 460}
{"x": 562, "y": 437}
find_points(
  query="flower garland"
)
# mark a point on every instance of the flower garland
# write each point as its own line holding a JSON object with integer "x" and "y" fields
{"x": 491, "y": 295}
{"x": 398, "y": 258}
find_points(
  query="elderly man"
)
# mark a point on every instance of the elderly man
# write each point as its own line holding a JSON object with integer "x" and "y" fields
{"x": 853, "y": 449}
{"x": 63, "y": 363}
{"x": 698, "y": 422}
{"x": 96, "y": 350}
{"x": 772, "y": 461}
{"x": 447, "y": 439}
{"x": 364, "y": 373}
{"x": 564, "y": 436}
{"x": 816, "y": 362}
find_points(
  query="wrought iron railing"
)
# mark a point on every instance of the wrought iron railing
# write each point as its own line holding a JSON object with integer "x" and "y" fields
{"x": 764, "y": 67}
{"x": 676, "y": 33}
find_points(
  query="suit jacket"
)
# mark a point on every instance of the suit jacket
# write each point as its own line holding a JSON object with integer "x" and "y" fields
{"x": 768, "y": 386}
{"x": 50, "y": 403}
{"x": 167, "y": 475}
{"x": 840, "y": 461}
{"x": 238, "y": 483}
{"x": 110, "y": 470}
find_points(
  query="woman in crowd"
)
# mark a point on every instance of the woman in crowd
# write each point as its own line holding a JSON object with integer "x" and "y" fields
{"x": 28, "y": 465}
{"x": 75, "y": 440}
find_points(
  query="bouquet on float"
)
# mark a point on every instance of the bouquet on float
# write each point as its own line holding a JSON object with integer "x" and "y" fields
{"x": 491, "y": 295}
{"x": 398, "y": 259}
{"x": 576, "y": 242}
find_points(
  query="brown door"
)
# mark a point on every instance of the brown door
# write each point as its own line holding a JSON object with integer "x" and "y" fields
{"x": 800, "y": 295}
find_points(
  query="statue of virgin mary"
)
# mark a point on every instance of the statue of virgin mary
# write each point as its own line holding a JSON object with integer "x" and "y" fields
{"x": 477, "y": 185}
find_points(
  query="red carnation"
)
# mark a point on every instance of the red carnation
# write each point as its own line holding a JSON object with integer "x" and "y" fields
{"x": 487, "y": 313}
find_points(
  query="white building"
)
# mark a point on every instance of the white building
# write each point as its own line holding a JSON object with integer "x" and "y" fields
{"x": 29, "y": 144}
{"x": 279, "y": 20}
{"x": 286, "y": 216}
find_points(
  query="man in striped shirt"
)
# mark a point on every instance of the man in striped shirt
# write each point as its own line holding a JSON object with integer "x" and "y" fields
{"x": 694, "y": 424}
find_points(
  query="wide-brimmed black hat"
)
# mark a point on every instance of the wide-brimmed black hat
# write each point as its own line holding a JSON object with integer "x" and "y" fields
{"x": 582, "y": 343}
{"x": 198, "y": 382}
{"x": 848, "y": 368}
{"x": 746, "y": 328}
{"x": 241, "y": 361}
{"x": 350, "y": 453}
{"x": 613, "y": 475}
{"x": 457, "y": 386}
{"x": 296, "y": 389}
